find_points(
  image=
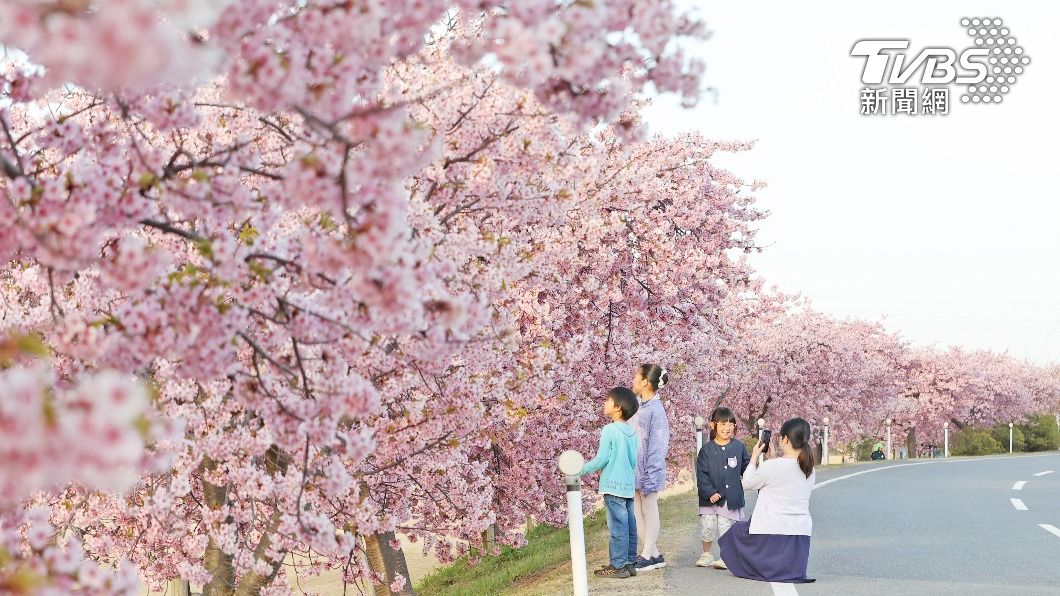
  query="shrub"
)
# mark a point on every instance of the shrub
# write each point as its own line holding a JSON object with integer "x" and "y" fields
{"x": 1000, "y": 434}
{"x": 863, "y": 449}
{"x": 1041, "y": 433}
{"x": 974, "y": 441}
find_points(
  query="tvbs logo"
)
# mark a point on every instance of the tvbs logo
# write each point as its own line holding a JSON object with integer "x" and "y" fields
{"x": 938, "y": 66}
{"x": 989, "y": 66}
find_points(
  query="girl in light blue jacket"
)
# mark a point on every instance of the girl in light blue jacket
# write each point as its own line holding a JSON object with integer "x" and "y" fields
{"x": 653, "y": 433}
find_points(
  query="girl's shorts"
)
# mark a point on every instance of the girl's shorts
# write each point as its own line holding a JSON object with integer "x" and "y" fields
{"x": 713, "y": 526}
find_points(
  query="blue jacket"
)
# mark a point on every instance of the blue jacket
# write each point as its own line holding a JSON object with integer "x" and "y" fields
{"x": 653, "y": 433}
{"x": 716, "y": 475}
{"x": 617, "y": 456}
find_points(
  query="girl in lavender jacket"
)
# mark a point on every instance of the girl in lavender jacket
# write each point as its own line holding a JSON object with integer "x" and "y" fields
{"x": 653, "y": 432}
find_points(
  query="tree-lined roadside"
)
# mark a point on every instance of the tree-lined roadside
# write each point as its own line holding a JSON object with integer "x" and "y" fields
{"x": 284, "y": 281}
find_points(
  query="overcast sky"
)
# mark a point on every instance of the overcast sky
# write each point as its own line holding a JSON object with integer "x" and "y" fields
{"x": 946, "y": 228}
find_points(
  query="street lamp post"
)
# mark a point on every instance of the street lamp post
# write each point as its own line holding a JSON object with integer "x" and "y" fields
{"x": 946, "y": 439}
{"x": 570, "y": 464}
{"x": 1010, "y": 437}
{"x": 889, "y": 452}
{"x": 824, "y": 454}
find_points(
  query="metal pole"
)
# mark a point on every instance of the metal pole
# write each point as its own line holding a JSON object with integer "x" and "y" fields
{"x": 890, "y": 454}
{"x": 946, "y": 431}
{"x": 1010, "y": 437}
{"x": 824, "y": 450}
{"x": 570, "y": 464}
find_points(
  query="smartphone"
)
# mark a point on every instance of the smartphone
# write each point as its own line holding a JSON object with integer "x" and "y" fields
{"x": 767, "y": 435}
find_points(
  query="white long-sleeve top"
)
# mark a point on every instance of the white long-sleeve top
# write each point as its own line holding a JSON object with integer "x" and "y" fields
{"x": 783, "y": 505}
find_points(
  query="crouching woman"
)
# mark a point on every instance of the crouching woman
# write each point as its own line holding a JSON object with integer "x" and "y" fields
{"x": 774, "y": 546}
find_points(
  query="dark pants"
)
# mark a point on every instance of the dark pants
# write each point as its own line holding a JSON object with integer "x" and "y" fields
{"x": 623, "y": 527}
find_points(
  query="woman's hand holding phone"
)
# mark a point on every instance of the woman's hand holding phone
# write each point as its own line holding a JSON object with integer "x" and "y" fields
{"x": 756, "y": 452}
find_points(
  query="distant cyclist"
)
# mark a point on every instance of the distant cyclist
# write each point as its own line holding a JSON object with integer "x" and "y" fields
{"x": 878, "y": 453}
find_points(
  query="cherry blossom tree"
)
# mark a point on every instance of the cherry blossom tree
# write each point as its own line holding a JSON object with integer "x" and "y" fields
{"x": 215, "y": 198}
{"x": 794, "y": 361}
{"x": 650, "y": 233}
{"x": 962, "y": 387}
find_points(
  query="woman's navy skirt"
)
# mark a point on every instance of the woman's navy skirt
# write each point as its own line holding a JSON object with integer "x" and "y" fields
{"x": 765, "y": 557}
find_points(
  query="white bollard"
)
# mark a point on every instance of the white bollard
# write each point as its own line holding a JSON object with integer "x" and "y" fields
{"x": 824, "y": 448}
{"x": 946, "y": 433}
{"x": 699, "y": 446}
{"x": 889, "y": 452}
{"x": 570, "y": 464}
{"x": 1010, "y": 437}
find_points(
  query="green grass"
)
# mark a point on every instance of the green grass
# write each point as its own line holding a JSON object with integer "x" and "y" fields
{"x": 546, "y": 553}
{"x": 546, "y": 548}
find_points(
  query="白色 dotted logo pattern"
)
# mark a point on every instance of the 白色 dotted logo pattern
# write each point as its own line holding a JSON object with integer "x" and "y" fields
{"x": 1005, "y": 62}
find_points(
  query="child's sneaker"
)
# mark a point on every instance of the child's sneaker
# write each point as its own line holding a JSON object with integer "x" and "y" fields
{"x": 612, "y": 572}
{"x": 649, "y": 564}
{"x": 642, "y": 564}
{"x": 705, "y": 560}
{"x": 719, "y": 564}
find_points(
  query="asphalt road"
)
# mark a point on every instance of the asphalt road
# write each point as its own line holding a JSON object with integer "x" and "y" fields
{"x": 915, "y": 527}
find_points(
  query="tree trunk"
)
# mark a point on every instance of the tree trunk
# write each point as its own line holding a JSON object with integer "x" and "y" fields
{"x": 910, "y": 443}
{"x": 489, "y": 538}
{"x": 216, "y": 561}
{"x": 224, "y": 573}
{"x": 252, "y": 582}
{"x": 387, "y": 562}
{"x": 179, "y": 587}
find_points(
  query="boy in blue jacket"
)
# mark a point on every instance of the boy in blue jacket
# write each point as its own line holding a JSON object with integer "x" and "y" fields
{"x": 617, "y": 457}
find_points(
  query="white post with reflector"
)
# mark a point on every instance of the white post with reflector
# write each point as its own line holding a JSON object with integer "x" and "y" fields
{"x": 570, "y": 464}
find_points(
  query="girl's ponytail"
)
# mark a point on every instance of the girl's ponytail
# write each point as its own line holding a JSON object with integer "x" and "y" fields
{"x": 806, "y": 459}
{"x": 797, "y": 431}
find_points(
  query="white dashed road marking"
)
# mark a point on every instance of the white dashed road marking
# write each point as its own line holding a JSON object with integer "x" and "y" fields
{"x": 780, "y": 589}
{"x": 1018, "y": 504}
{"x": 1045, "y": 472}
{"x": 1019, "y": 485}
{"x": 1048, "y": 528}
